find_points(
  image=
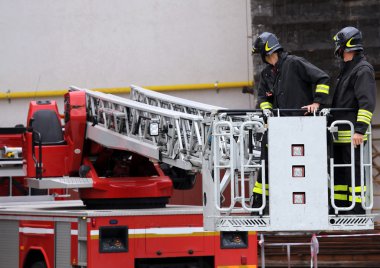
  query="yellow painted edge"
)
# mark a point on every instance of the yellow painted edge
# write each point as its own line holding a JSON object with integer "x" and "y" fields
{"x": 126, "y": 90}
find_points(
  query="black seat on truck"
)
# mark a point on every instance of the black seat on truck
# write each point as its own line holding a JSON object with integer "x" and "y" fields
{"x": 46, "y": 122}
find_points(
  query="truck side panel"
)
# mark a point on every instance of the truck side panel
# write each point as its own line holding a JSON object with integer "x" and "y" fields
{"x": 9, "y": 239}
{"x": 165, "y": 237}
{"x": 62, "y": 244}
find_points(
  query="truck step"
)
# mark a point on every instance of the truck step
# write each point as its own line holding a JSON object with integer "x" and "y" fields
{"x": 59, "y": 182}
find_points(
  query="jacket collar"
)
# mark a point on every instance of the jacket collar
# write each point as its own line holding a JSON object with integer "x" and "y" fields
{"x": 349, "y": 65}
{"x": 281, "y": 57}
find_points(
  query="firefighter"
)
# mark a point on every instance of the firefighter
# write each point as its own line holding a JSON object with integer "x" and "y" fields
{"x": 286, "y": 82}
{"x": 355, "y": 88}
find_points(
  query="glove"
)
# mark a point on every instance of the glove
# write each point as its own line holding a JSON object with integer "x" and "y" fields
{"x": 267, "y": 112}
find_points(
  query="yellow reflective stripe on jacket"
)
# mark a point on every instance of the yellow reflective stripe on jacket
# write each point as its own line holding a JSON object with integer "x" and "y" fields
{"x": 260, "y": 191}
{"x": 343, "y": 140}
{"x": 364, "y": 116}
{"x": 357, "y": 199}
{"x": 344, "y": 133}
{"x": 344, "y": 136}
{"x": 266, "y": 105}
{"x": 363, "y": 119}
{"x": 340, "y": 188}
{"x": 321, "y": 88}
{"x": 259, "y": 185}
{"x": 358, "y": 189}
{"x": 340, "y": 197}
{"x": 365, "y": 113}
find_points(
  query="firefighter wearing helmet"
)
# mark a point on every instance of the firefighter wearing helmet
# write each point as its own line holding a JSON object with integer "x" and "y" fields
{"x": 355, "y": 88}
{"x": 286, "y": 82}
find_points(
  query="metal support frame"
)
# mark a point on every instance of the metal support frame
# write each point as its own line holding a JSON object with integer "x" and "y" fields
{"x": 363, "y": 165}
{"x": 365, "y": 153}
{"x": 314, "y": 250}
{"x": 351, "y": 165}
{"x": 233, "y": 155}
{"x": 250, "y": 162}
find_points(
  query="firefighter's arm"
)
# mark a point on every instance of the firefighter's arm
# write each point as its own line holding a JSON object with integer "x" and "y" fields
{"x": 317, "y": 77}
{"x": 365, "y": 93}
{"x": 263, "y": 100}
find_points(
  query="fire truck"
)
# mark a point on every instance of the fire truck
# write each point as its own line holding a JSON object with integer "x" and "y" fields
{"x": 125, "y": 156}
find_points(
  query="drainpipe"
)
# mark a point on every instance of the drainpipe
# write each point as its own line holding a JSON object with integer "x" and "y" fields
{"x": 125, "y": 90}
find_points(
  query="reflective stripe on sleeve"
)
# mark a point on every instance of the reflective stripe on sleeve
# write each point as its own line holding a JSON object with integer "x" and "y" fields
{"x": 321, "y": 88}
{"x": 364, "y": 116}
{"x": 266, "y": 105}
{"x": 363, "y": 119}
{"x": 365, "y": 113}
{"x": 344, "y": 136}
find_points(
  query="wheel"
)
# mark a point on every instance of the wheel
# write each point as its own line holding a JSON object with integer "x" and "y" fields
{"x": 39, "y": 264}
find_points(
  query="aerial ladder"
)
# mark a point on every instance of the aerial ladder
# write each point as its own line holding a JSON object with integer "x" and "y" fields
{"x": 300, "y": 170}
{"x": 225, "y": 147}
{"x": 301, "y": 173}
{"x": 130, "y": 153}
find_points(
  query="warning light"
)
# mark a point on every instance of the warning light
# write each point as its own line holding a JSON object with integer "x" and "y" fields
{"x": 298, "y": 150}
{"x": 299, "y": 198}
{"x": 154, "y": 127}
{"x": 298, "y": 171}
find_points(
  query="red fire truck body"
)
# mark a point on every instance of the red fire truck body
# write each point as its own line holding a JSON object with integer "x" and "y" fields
{"x": 124, "y": 177}
{"x": 124, "y": 157}
{"x": 66, "y": 234}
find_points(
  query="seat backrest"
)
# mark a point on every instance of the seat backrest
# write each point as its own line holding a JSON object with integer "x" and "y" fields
{"x": 47, "y": 123}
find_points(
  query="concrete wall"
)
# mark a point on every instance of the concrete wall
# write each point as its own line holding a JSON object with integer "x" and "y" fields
{"x": 306, "y": 27}
{"x": 49, "y": 45}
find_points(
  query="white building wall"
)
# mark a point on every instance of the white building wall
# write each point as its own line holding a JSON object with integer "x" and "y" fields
{"x": 49, "y": 45}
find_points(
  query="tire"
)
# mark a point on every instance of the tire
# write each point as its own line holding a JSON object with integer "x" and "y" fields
{"x": 39, "y": 264}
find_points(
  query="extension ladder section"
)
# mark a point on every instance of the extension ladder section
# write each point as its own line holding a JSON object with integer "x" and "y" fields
{"x": 206, "y": 111}
{"x": 124, "y": 124}
{"x": 165, "y": 135}
{"x": 172, "y": 103}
